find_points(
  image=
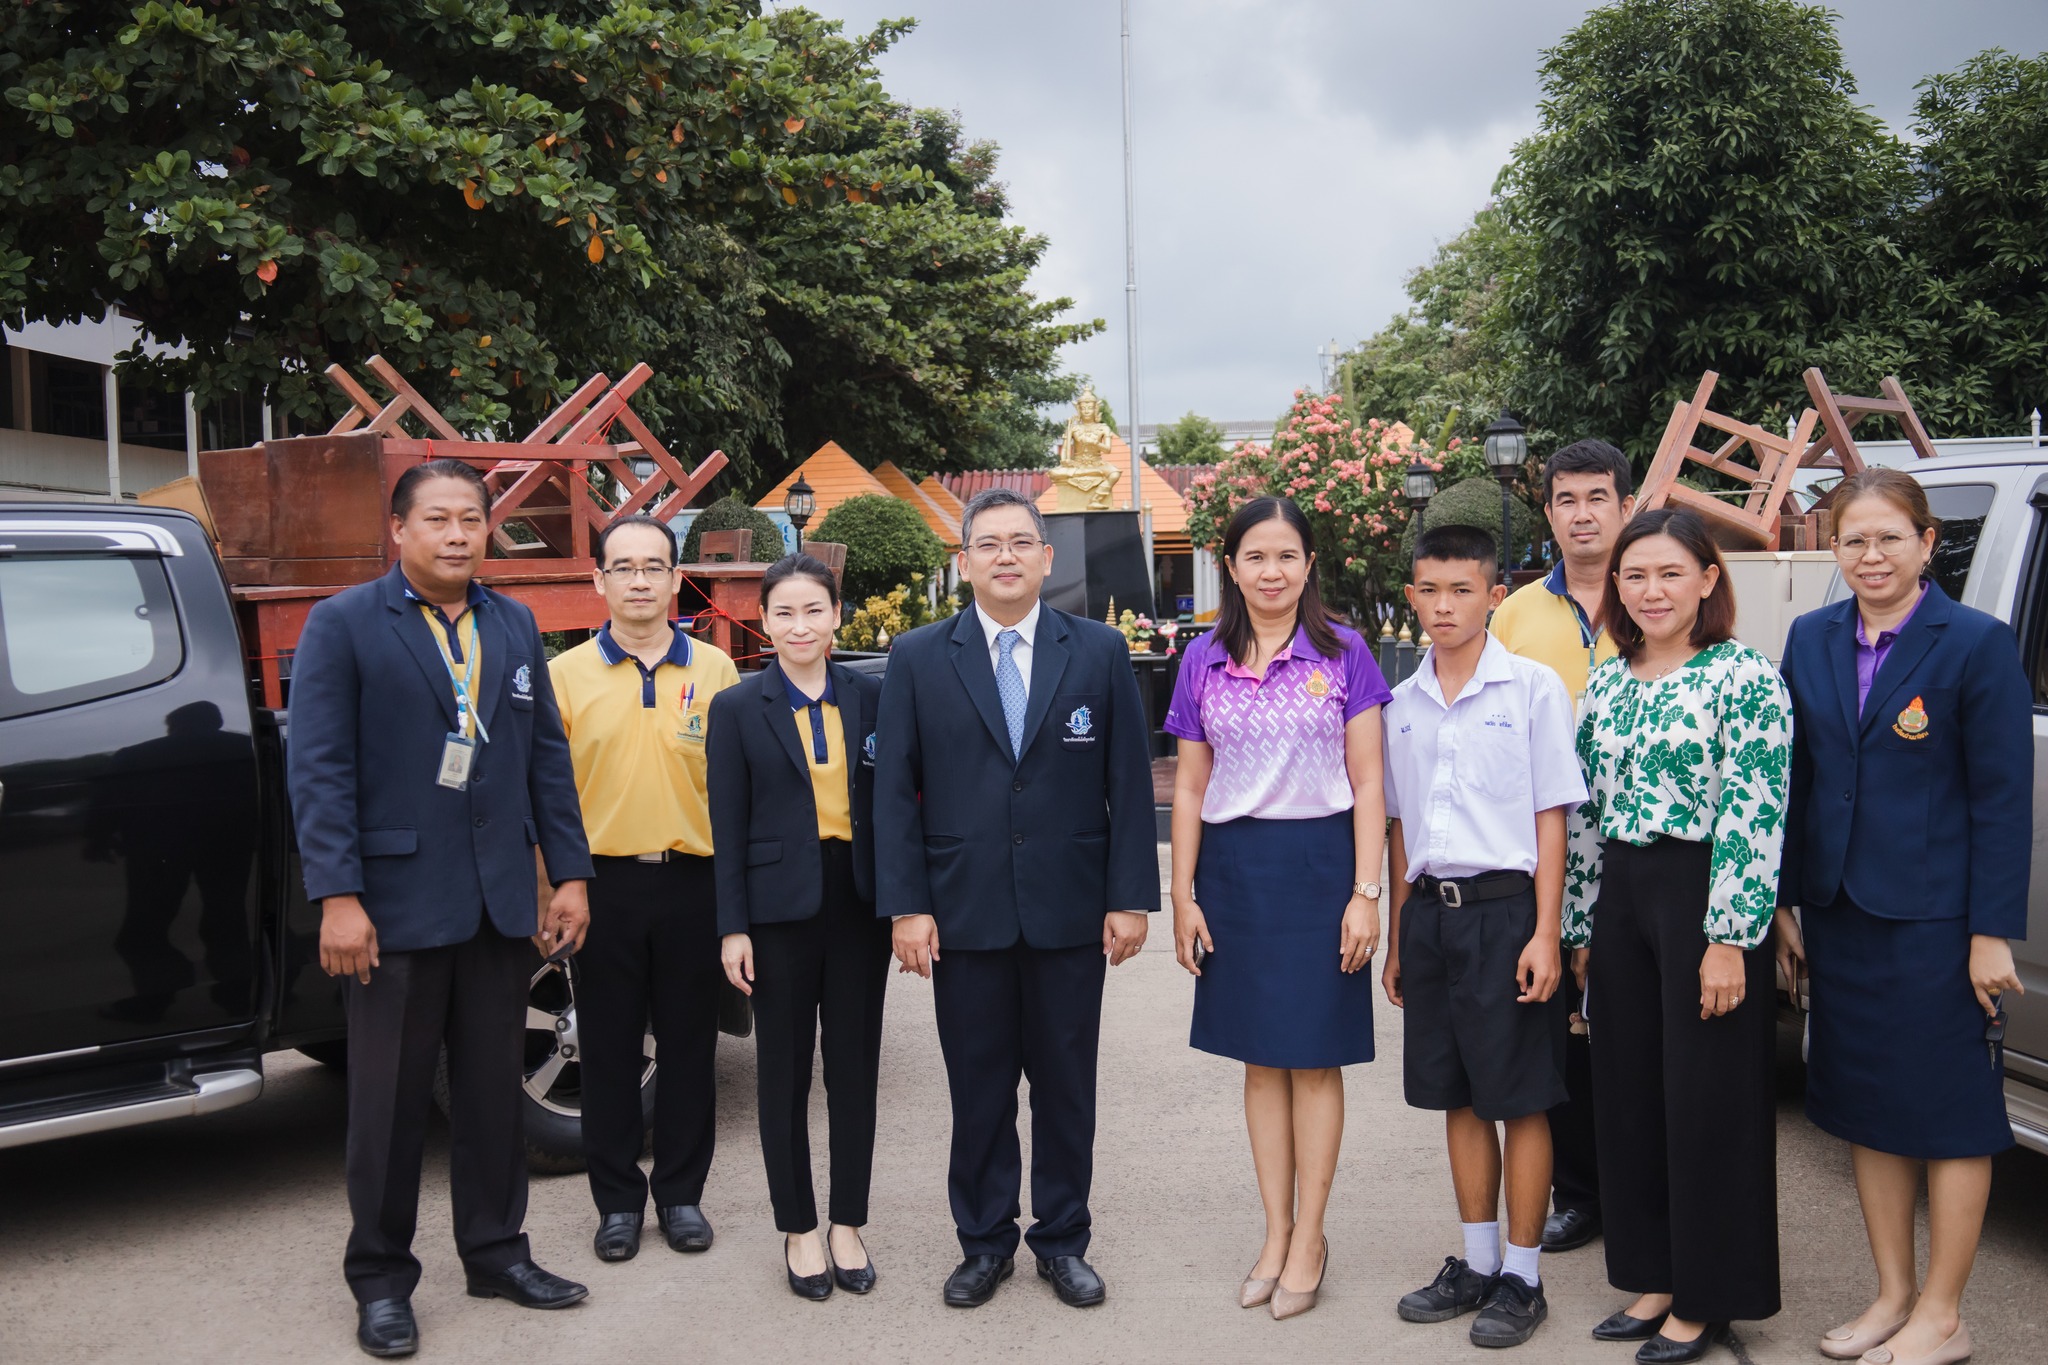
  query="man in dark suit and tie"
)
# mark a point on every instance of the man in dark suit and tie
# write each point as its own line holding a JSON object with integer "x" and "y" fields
{"x": 427, "y": 761}
{"x": 1015, "y": 848}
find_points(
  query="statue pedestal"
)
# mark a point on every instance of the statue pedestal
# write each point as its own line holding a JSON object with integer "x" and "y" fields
{"x": 1097, "y": 556}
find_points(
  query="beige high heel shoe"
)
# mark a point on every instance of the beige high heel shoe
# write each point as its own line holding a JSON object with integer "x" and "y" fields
{"x": 1255, "y": 1292}
{"x": 1288, "y": 1304}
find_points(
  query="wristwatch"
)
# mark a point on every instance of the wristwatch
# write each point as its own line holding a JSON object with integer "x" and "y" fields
{"x": 1369, "y": 890}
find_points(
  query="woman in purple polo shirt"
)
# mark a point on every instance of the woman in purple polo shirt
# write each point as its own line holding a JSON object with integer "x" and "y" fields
{"x": 1279, "y": 824}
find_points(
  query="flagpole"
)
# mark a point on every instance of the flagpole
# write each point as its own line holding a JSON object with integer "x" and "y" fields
{"x": 1131, "y": 296}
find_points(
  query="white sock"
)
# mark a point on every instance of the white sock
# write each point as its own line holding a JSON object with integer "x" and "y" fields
{"x": 1482, "y": 1247}
{"x": 1521, "y": 1263}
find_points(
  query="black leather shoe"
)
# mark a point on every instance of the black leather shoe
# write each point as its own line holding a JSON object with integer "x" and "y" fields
{"x": 618, "y": 1237}
{"x": 858, "y": 1281}
{"x": 1569, "y": 1230}
{"x": 813, "y": 1287}
{"x": 1457, "y": 1288}
{"x": 973, "y": 1282}
{"x": 527, "y": 1285}
{"x": 1511, "y": 1314}
{"x": 1621, "y": 1327}
{"x": 384, "y": 1327}
{"x": 1662, "y": 1350}
{"x": 1074, "y": 1280}
{"x": 686, "y": 1227}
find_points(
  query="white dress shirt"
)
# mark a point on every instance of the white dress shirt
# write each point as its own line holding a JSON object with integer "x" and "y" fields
{"x": 1020, "y": 653}
{"x": 1466, "y": 780}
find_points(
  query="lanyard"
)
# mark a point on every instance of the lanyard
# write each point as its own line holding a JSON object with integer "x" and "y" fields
{"x": 465, "y": 712}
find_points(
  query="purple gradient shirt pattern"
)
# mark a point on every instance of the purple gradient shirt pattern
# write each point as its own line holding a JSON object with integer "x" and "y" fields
{"x": 1278, "y": 741}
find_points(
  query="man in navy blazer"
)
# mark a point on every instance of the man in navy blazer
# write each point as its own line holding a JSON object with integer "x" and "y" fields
{"x": 1015, "y": 847}
{"x": 427, "y": 761}
{"x": 1938, "y": 830}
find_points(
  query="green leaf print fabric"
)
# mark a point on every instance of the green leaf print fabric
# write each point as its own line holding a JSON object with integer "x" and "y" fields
{"x": 1703, "y": 754}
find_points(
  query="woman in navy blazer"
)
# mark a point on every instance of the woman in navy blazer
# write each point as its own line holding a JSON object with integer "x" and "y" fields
{"x": 792, "y": 763}
{"x": 1907, "y": 850}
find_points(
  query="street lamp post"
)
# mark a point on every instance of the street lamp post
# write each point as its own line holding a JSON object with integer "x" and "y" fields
{"x": 798, "y": 504}
{"x": 1419, "y": 486}
{"x": 1507, "y": 450}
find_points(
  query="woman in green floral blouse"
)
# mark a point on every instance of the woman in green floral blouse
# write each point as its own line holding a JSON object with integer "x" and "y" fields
{"x": 1686, "y": 742}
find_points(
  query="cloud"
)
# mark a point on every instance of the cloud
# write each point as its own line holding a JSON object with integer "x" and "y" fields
{"x": 1295, "y": 158}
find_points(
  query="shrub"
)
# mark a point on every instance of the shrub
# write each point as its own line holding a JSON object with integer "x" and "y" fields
{"x": 730, "y": 514}
{"x": 900, "y": 609}
{"x": 887, "y": 544}
{"x": 1476, "y": 502}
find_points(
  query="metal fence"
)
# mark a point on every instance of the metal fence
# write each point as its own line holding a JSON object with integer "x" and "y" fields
{"x": 1398, "y": 654}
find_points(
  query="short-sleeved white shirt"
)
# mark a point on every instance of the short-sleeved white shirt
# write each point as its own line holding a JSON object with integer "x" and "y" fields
{"x": 1467, "y": 780}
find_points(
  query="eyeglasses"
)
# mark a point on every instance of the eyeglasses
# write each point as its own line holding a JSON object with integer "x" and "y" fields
{"x": 1891, "y": 545}
{"x": 626, "y": 573}
{"x": 1017, "y": 545}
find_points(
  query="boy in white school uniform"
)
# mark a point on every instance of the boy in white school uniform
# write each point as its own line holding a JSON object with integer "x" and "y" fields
{"x": 1481, "y": 772}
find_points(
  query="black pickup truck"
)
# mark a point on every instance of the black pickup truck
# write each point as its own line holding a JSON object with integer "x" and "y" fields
{"x": 155, "y": 938}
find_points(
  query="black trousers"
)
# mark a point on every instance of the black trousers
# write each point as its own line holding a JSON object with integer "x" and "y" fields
{"x": 1685, "y": 1107}
{"x": 1006, "y": 1014}
{"x": 828, "y": 972}
{"x": 651, "y": 954}
{"x": 472, "y": 997}
{"x": 1574, "y": 1148}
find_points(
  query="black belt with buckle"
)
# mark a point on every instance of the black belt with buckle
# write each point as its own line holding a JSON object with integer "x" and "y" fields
{"x": 661, "y": 857}
{"x": 1487, "y": 886}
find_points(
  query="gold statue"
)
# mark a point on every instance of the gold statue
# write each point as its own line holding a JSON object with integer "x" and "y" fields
{"x": 1085, "y": 477}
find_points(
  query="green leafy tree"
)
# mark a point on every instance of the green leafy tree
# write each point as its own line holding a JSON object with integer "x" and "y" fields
{"x": 887, "y": 543}
{"x": 503, "y": 196}
{"x": 1965, "y": 324}
{"x": 730, "y": 513}
{"x": 1193, "y": 439}
{"x": 1703, "y": 192}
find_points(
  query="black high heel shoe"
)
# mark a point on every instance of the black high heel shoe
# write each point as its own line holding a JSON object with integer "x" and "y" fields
{"x": 1662, "y": 1350}
{"x": 813, "y": 1287}
{"x": 852, "y": 1281}
{"x": 1619, "y": 1326}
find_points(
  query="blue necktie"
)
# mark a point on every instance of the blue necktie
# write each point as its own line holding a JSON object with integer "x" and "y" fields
{"x": 1010, "y": 687}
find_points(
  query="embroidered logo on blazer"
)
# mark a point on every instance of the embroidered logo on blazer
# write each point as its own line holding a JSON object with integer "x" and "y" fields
{"x": 1912, "y": 722}
{"x": 1081, "y": 722}
{"x": 522, "y": 681}
{"x": 867, "y": 751}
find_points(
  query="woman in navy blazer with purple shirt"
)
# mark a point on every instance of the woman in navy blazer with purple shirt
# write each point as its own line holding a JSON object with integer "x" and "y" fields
{"x": 1906, "y": 849}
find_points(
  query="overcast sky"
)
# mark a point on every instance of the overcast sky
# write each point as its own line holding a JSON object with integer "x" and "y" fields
{"x": 1295, "y": 158}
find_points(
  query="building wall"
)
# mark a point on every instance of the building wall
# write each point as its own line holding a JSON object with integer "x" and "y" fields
{"x": 34, "y": 465}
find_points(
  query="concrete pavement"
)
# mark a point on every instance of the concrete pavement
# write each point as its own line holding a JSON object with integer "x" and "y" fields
{"x": 219, "y": 1239}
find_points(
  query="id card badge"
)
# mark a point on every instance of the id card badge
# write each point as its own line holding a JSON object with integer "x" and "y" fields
{"x": 457, "y": 754}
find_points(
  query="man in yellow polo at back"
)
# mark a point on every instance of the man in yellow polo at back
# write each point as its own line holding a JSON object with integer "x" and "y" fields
{"x": 636, "y": 700}
{"x": 1588, "y": 494}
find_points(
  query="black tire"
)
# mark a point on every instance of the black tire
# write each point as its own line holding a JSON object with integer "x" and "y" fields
{"x": 553, "y": 1101}
{"x": 333, "y": 1053}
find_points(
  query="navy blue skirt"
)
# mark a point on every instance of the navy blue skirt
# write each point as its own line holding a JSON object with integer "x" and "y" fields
{"x": 1273, "y": 892}
{"x": 1896, "y": 1059}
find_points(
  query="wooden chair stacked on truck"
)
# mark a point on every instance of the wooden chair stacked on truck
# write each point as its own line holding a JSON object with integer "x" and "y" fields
{"x": 300, "y": 518}
{"x": 1759, "y": 514}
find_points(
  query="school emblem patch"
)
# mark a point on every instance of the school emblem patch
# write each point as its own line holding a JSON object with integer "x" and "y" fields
{"x": 522, "y": 681}
{"x": 867, "y": 748}
{"x": 1912, "y": 722}
{"x": 1318, "y": 684}
{"x": 693, "y": 727}
{"x": 1081, "y": 722}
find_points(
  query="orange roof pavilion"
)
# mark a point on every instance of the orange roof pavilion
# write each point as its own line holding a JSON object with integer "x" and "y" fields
{"x": 945, "y": 525}
{"x": 834, "y": 476}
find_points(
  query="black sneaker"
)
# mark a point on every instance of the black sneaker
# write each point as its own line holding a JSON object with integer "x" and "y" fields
{"x": 1457, "y": 1288}
{"x": 1512, "y": 1313}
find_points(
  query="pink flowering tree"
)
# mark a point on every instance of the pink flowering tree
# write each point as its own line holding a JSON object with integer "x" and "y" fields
{"x": 1347, "y": 479}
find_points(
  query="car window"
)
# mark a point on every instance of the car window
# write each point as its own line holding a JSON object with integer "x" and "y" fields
{"x": 74, "y": 628}
{"x": 1961, "y": 508}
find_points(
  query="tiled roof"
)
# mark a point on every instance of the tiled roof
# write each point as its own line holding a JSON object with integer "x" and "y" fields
{"x": 943, "y": 496}
{"x": 1169, "y": 505}
{"x": 1181, "y": 475}
{"x": 1029, "y": 482}
{"x": 945, "y": 525}
{"x": 834, "y": 476}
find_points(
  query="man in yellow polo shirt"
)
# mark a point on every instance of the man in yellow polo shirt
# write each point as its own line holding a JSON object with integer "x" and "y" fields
{"x": 635, "y": 701}
{"x": 1588, "y": 493}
